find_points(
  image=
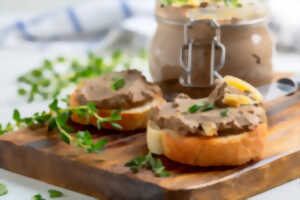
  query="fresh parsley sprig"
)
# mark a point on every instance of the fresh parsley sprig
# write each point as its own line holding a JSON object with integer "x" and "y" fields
{"x": 58, "y": 117}
{"x": 6, "y": 129}
{"x": 148, "y": 162}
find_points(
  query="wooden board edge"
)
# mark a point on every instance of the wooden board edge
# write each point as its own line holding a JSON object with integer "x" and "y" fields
{"x": 279, "y": 170}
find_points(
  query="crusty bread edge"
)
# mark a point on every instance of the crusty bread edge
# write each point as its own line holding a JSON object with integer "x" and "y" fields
{"x": 230, "y": 150}
{"x": 132, "y": 119}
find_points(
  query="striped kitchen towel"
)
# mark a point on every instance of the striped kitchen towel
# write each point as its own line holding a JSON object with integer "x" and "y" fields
{"x": 83, "y": 25}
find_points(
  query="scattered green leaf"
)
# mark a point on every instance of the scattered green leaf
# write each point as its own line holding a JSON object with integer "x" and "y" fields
{"x": 224, "y": 113}
{"x": 55, "y": 194}
{"x": 3, "y": 190}
{"x": 84, "y": 140}
{"x": 38, "y": 197}
{"x": 22, "y": 92}
{"x": 148, "y": 162}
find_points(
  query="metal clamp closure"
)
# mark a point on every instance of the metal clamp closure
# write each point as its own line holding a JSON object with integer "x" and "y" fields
{"x": 186, "y": 79}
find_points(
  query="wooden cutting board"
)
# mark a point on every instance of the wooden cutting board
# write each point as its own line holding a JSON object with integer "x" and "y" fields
{"x": 43, "y": 156}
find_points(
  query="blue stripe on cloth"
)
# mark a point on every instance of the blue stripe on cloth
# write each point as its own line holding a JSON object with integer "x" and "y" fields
{"x": 22, "y": 28}
{"x": 126, "y": 9}
{"x": 74, "y": 19}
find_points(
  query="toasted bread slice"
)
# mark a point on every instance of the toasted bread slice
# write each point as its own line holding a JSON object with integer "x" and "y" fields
{"x": 229, "y": 150}
{"x": 132, "y": 119}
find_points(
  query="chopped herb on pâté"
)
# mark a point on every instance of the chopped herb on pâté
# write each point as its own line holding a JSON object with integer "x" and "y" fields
{"x": 118, "y": 83}
{"x": 148, "y": 162}
{"x": 202, "y": 106}
{"x": 224, "y": 113}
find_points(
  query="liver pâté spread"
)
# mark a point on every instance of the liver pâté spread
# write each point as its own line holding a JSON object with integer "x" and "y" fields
{"x": 134, "y": 91}
{"x": 211, "y": 110}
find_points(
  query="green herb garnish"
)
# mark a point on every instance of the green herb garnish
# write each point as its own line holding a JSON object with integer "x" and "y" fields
{"x": 84, "y": 140}
{"x": 55, "y": 194}
{"x": 3, "y": 190}
{"x": 38, "y": 197}
{"x": 8, "y": 128}
{"x": 202, "y": 106}
{"x": 224, "y": 113}
{"x": 118, "y": 83}
{"x": 148, "y": 162}
{"x": 58, "y": 117}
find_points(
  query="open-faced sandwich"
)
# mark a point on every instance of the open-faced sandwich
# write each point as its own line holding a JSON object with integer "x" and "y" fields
{"x": 127, "y": 91}
{"x": 225, "y": 129}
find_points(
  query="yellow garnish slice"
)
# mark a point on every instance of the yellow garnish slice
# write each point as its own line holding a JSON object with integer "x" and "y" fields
{"x": 235, "y": 100}
{"x": 244, "y": 86}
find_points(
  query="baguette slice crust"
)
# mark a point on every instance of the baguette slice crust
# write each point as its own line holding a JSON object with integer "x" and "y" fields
{"x": 229, "y": 150}
{"x": 132, "y": 119}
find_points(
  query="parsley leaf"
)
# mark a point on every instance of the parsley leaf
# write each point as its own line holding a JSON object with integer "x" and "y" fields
{"x": 55, "y": 194}
{"x": 148, "y": 162}
{"x": 16, "y": 115}
{"x": 202, "y": 106}
{"x": 3, "y": 190}
{"x": 58, "y": 118}
{"x": 224, "y": 113}
{"x": 38, "y": 197}
{"x": 118, "y": 83}
{"x": 84, "y": 140}
{"x": 8, "y": 128}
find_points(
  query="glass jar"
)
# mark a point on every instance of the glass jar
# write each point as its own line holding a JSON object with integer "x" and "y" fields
{"x": 194, "y": 45}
